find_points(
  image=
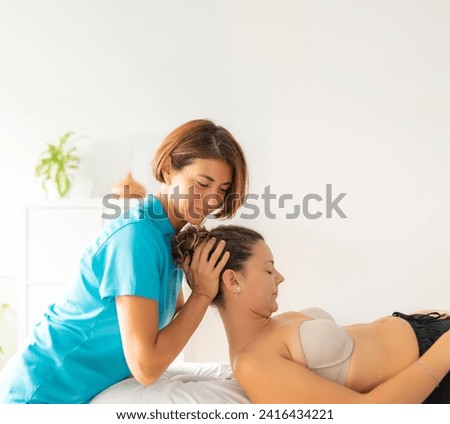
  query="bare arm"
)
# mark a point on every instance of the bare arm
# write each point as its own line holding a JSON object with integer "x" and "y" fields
{"x": 147, "y": 350}
{"x": 275, "y": 379}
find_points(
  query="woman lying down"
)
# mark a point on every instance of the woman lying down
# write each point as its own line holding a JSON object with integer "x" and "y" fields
{"x": 305, "y": 357}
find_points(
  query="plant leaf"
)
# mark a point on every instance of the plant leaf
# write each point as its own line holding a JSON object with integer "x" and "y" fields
{"x": 64, "y": 138}
{"x": 41, "y": 169}
{"x": 62, "y": 182}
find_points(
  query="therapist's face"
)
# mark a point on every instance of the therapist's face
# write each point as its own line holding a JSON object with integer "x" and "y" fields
{"x": 198, "y": 189}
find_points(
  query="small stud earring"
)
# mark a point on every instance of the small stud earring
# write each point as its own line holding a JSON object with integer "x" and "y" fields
{"x": 238, "y": 290}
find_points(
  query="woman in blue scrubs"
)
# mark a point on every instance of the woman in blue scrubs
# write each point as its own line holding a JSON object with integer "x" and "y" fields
{"x": 124, "y": 313}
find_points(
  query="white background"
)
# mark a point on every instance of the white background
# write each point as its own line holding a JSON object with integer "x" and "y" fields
{"x": 350, "y": 93}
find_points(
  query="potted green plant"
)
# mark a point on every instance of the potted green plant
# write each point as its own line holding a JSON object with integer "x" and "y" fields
{"x": 3, "y": 307}
{"x": 56, "y": 163}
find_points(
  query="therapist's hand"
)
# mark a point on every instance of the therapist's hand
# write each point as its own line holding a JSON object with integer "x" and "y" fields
{"x": 203, "y": 274}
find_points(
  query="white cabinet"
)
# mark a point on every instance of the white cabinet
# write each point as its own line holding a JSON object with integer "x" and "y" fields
{"x": 56, "y": 234}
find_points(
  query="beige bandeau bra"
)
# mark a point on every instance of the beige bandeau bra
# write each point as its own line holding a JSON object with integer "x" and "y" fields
{"x": 327, "y": 347}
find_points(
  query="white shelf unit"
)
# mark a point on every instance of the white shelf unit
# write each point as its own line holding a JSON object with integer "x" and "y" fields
{"x": 55, "y": 236}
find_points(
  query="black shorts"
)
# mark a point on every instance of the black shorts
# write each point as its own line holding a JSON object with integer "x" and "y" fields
{"x": 428, "y": 328}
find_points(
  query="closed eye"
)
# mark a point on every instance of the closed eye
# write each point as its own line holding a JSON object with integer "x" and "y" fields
{"x": 203, "y": 186}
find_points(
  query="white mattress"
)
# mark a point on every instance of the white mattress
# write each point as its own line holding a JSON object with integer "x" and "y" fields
{"x": 183, "y": 382}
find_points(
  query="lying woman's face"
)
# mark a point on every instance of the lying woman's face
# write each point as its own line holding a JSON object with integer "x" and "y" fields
{"x": 259, "y": 281}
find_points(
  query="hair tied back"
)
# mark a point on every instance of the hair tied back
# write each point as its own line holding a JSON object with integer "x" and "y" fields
{"x": 185, "y": 242}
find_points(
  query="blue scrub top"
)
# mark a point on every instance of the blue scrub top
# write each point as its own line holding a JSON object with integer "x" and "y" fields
{"x": 75, "y": 351}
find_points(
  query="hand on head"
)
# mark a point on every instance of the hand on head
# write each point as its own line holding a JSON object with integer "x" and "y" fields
{"x": 203, "y": 271}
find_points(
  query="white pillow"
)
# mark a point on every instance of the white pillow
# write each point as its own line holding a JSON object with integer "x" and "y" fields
{"x": 182, "y": 382}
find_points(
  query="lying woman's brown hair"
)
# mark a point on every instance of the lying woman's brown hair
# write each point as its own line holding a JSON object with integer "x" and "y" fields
{"x": 240, "y": 243}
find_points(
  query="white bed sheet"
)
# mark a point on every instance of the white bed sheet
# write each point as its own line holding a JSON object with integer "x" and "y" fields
{"x": 182, "y": 382}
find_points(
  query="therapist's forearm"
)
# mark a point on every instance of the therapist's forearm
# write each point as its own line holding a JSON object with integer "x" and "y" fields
{"x": 173, "y": 338}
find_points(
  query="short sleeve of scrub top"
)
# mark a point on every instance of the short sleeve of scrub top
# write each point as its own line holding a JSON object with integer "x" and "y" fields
{"x": 130, "y": 262}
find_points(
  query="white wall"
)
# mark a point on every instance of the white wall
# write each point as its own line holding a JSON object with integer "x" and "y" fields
{"x": 350, "y": 93}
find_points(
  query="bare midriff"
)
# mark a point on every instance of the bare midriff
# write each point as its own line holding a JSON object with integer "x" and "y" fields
{"x": 381, "y": 349}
